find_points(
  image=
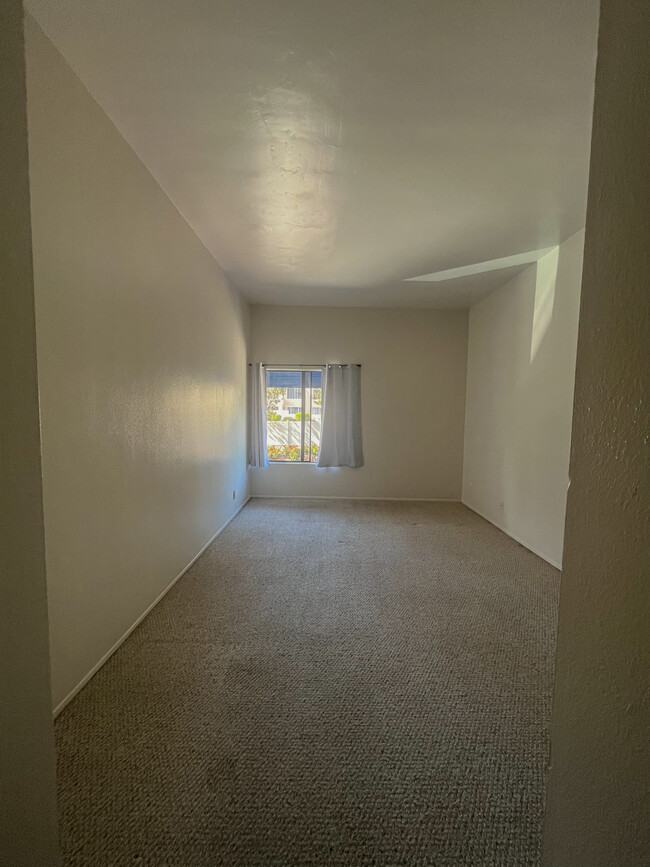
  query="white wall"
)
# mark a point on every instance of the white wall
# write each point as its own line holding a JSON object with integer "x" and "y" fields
{"x": 598, "y": 798}
{"x": 520, "y": 375}
{"x": 413, "y": 396}
{"x": 142, "y": 363}
{"x": 28, "y": 816}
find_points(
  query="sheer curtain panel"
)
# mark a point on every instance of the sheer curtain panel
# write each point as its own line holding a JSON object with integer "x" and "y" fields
{"x": 257, "y": 454}
{"x": 341, "y": 436}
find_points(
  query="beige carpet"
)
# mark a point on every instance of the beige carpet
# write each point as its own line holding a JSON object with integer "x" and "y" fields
{"x": 333, "y": 682}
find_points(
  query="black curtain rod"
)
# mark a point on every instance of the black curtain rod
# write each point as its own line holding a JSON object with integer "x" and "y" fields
{"x": 250, "y": 364}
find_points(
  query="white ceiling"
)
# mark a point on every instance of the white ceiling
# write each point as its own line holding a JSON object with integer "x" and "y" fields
{"x": 327, "y": 150}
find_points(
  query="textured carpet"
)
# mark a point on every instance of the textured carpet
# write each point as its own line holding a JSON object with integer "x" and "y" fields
{"x": 333, "y": 682}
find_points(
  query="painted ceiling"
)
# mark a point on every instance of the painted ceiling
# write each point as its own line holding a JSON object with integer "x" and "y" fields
{"x": 325, "y": 152}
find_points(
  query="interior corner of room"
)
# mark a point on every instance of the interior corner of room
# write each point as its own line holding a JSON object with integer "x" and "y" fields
{"x": 144, "y": 288}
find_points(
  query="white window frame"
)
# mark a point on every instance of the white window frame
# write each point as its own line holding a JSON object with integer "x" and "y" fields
{"x": 304, "y": 368}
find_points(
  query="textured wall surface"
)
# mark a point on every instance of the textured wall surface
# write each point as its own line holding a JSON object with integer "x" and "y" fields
{"x": 412, "y": 396}
{"x": 142, "y": 371}
{"x": 598, "y": 794}
{"x": 520, "y": 374}
{"x": 28, "y": 823}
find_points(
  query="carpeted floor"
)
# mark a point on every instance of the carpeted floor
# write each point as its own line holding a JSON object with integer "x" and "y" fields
{"x": 332, "y": 683}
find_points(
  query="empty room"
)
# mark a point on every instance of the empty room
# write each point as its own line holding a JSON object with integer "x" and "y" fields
{"x": 324, "y": 451}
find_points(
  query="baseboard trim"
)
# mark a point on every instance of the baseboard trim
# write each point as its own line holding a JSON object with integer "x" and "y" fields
{"x": 381, "y": 499}
{"x": 66, "y": 701}
{"x": 518, "y": 539}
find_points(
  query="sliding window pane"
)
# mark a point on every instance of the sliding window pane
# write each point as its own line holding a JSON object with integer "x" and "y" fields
{"x": 284, "y": 399}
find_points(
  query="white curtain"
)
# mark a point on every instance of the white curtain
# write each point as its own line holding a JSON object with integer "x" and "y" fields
{"x": 257, "y": 454}
{"x": 341, "y": 433}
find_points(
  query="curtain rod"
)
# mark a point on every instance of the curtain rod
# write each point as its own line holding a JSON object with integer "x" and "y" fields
{"x": 250, "y": 364}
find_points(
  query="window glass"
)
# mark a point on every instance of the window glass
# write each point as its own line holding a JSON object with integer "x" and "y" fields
{"x": 293, "y": 415}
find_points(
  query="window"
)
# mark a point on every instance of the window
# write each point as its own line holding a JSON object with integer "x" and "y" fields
{"x": 293, "y": 407}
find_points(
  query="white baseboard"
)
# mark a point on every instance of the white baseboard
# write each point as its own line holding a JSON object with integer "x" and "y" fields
{"x": 514, "y": 536}
{"x": 381, "y": 499}
{"x": 84, "y": 680}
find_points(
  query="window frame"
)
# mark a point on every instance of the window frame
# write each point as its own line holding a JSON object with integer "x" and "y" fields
{"x": 303, "y": 369}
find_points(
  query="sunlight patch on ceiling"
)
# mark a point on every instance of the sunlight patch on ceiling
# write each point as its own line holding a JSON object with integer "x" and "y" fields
{"x": 482, "y": 267}
{"x": 292, "y": 204}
